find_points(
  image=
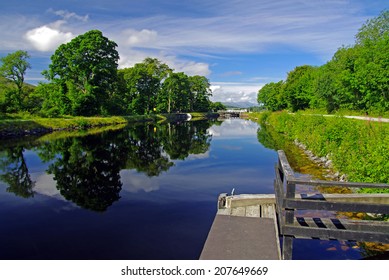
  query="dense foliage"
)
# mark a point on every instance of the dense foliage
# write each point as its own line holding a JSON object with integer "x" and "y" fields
{"x": 358, "y": 149}
{"x": 13, "y": 69}
{"x": 84, "y": 80}
{"x": 356, "y": 78}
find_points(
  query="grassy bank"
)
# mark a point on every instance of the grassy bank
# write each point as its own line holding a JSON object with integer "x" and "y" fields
{"x": 12, "y": 126}
{"x": 357, "y": 148}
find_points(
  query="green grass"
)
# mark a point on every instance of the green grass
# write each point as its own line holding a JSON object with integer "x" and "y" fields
{"x": 27, "y": 122}
{"x": 357, "y": 148}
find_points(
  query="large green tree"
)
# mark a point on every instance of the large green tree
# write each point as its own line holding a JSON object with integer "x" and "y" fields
{"x": 86, "y": 68}
{"x": 298, "y": 88}
{"x": 199, "y": 94}
{"x": 175, "y": 94}
{"x": 14, "y": 67}
{"x": 142, "y": 84}
{"x": 270, "y": 95}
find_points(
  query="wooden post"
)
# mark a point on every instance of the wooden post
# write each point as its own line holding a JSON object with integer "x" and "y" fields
{"x": 287, "y": 244}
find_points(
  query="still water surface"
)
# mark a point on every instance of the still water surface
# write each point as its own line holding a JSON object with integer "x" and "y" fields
{"x": 142, "y": 192}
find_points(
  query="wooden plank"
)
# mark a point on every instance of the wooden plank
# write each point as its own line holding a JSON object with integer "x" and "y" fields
{"x": 325, "y": 233}
{"x": 380, "y": 198}
{"x": 287, "y": 170}
{"x": 335, "y": 206}
{"x": 344, "y": 224}
{"x": 323, "y": 183}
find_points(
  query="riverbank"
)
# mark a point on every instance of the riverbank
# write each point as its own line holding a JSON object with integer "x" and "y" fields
{"x": 14, "y": 126}
{"x": 357, "y": 148}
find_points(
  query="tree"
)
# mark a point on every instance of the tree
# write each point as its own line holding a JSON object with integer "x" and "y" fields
{"x": 175, "y": 93}
{"x": 86, "y": 68}
{"x": 52, "y": 98}
{"x": 14, "y": 67}
{"x": 372, "y": 64}
{"x": 298, "y": 88}
{"x": 374, "y": 29}
{"x": 142, "y": 84}
{"x": 199, "y": 94}
{"x": 216, "y": 106}
{"x": 271, "y": 96}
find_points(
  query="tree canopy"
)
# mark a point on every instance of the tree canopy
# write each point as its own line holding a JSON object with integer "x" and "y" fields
{"x": 13, "y": 68}
{"x": 356, "y": 78}
{"x": 86, "y": 70}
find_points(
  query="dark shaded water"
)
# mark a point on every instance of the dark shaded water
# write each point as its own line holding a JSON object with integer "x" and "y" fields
{"x": 142, "y": 192}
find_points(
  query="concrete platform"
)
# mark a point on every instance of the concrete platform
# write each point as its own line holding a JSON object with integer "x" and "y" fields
{"x": 246, "y": 232}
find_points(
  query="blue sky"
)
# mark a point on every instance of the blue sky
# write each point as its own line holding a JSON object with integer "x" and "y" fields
{"x": 239, "y": 45}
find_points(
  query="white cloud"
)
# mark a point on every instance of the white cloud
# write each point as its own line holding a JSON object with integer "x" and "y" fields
{"x": 46, "y": 38}
{"x": 129, "y": 57}
{"x": 235, "y": 92}
{"x": 66, "y": 15}
{"x": 189, "y": 67}
{"x": 143, "y": 38}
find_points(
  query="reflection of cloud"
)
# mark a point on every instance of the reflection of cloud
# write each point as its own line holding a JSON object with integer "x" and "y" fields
{"x": 231, "y": 148}
{"x": 234, "y": 128}
{"x": 198, "y": 156}
{"x": 46, "y": 185}
{"x": 134, "y": 182}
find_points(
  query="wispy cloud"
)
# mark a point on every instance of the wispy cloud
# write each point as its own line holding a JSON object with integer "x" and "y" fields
{"x": 190, "y": 37}
{"x": 252, "y": 26}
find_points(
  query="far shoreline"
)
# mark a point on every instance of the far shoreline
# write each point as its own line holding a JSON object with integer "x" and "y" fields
{"x": 15, "y": 128}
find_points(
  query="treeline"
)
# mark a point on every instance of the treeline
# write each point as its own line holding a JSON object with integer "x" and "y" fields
{"x": 84, "y": 80}
{"x": 356, "y": 78}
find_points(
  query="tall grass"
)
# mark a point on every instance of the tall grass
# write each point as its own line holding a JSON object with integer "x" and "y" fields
{"x": 357, "y": 148}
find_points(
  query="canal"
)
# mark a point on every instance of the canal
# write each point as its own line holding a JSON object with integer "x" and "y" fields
{"x": 146, "y": 191}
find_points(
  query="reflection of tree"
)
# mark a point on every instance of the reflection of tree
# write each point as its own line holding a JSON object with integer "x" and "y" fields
{"x": 16, "y": 173}
{"x": 87, "y": 172}
{"x": 180, "y": 140}
{"x": 145, "y": 151}
{"x": 201, "y": 139}
{"x": 87, "y": 168}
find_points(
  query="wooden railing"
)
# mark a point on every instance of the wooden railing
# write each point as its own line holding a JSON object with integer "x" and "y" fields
{"x": 292, "y": 223}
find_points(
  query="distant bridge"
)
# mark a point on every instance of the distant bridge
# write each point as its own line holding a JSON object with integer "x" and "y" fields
{"x": 232, "y": 113}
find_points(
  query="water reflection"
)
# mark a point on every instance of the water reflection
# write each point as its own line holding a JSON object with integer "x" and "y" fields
{"x": 87, "y": 170}
{"x": 16, "y": 173}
